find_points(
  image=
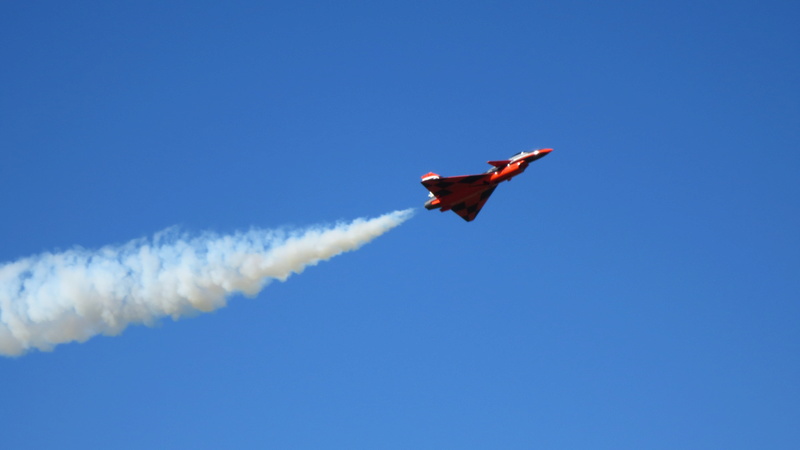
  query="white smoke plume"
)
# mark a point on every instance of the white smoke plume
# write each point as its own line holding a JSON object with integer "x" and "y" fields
{"x": 55, "y": 298}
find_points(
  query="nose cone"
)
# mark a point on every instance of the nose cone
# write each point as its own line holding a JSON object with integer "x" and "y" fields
{"x": 536, "y": 154}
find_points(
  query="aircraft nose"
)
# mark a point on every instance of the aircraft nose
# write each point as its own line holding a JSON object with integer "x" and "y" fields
{"x": 545, "y": 151}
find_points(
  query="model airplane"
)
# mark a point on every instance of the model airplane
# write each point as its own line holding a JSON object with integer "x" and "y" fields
{"x": 466, "y": 195}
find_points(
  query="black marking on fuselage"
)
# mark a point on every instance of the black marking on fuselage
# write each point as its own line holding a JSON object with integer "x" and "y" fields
{"x": 471, "y": 179}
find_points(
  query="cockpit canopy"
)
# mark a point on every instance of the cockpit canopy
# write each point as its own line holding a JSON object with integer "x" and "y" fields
{"x": 517, "y": 155}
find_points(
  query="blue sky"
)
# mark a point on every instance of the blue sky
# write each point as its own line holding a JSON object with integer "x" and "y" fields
{"x": 637, "y": 288}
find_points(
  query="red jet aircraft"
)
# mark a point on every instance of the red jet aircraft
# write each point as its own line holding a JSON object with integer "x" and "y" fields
{"x": 466, "y": 195}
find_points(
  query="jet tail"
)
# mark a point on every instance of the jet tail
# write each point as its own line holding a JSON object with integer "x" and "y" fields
{"x": 434, "y": 202}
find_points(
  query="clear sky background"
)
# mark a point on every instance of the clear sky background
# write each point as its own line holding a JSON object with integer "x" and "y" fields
{"x": 637, "y": 288}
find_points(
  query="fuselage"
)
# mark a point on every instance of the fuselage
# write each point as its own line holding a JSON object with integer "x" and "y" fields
{"x": 515, "y": 166}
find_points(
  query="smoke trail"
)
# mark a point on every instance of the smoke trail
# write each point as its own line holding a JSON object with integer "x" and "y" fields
{"x": 51, "y": 299}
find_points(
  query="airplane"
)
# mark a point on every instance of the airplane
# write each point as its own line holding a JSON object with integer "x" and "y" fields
{"x": 466, "y": 195}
